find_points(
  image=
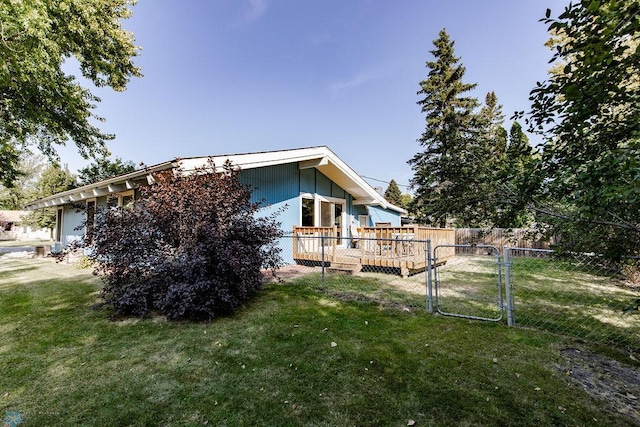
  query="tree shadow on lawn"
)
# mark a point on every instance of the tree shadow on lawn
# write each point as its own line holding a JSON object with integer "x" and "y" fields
{"x": 6, "y": 273}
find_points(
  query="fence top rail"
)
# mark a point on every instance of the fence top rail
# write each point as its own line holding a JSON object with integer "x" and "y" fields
{"x": 398, "y": 239}
{"x": 408, "y": 228}
{"x": 544, "y": 251}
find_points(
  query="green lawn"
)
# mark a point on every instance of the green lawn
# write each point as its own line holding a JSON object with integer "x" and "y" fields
{"x": 294, "y": 356}
{"x": 577, "y": 299}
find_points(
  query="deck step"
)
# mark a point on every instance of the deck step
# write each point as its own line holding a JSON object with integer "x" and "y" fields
{"x": 346, "y": 268}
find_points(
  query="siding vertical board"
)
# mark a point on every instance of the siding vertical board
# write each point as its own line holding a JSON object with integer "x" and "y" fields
{"x": 308, "y": 181}
{"x": 323, "y": 184}
{"x": 277, "y": 188}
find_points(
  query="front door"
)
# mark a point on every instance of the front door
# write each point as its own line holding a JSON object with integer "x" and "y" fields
{"x": 320, "y": 211}
{"x": 338, "y": 222}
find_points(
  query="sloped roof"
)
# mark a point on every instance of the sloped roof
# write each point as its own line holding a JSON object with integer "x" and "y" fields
{"x": 321, "y": 158}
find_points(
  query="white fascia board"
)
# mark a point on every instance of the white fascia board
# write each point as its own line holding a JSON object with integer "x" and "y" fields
{"x": 116, "y": 188}
{"x": 365, "y": 202}
{"x": 372, "y": 196}
{"x": 97, "y": 189}
{"x": 255, "y": 160}
{"x": 308, "y": 164}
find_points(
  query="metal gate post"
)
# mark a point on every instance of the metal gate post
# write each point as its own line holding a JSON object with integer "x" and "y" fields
{"x": 507, "y": 286}
{"x": 429, "y": 278}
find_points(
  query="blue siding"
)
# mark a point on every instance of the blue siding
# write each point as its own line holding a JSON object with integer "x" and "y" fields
{"x": 378, "y": 214}
{"x": 72, "y": 221}
{"x": 338, "y": 192}
{"x": 323, "y": 184}
{"x": 361, "y": 210}
{"x": 308, "y": 181}
{"x": 277, "y": 188}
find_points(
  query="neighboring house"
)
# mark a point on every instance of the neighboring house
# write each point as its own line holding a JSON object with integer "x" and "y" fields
{"x": 312, "y": 186}
{"x": 13, "y": 228}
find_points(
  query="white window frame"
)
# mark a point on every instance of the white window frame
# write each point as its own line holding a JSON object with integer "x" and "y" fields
{"x": 317, "y": 214}
{"x": 124, "y": 194}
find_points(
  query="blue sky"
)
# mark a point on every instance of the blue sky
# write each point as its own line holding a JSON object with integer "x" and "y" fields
{"x": 234, "y": 76}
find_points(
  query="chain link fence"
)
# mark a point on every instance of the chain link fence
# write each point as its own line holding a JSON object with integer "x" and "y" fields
{"x": 574, "y": 294}
{"x": 579, "y": 295}
{"x": 390, "y": 272}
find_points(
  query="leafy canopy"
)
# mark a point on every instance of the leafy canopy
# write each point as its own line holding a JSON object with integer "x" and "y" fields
{"x": 24, "y": 189}
{"x": 104, "y": 168}
{"x": 589, "y": 113}
{"x": 41, "y": 105}
{"x": 54, "y": 179}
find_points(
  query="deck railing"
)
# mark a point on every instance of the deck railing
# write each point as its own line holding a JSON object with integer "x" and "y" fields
{"x": 406, "y": 242}
{"x": 309, "y": 243}
{"x": 399, "y": 247}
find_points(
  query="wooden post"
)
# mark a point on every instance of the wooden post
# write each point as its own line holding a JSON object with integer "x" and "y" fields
{"x": 334, "y": 239}
{"x": 295, "y": 243}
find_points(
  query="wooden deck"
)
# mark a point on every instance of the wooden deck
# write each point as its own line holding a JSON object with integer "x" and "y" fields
{"x": 402, "y": 248}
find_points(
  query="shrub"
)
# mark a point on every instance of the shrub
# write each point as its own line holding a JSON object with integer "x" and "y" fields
{"x": 191, "y": 246}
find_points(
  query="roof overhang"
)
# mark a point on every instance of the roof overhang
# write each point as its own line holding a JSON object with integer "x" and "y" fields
{"x": 107, "y": 187}
{"x": 320, "y": 158}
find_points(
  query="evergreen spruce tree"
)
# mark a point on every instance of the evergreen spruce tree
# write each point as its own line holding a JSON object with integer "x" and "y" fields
{"x": 516, "y": 179}
{"x": 451, "y": 169}
{"x": 393, "y": 194}
{"x": 492, "y": 120}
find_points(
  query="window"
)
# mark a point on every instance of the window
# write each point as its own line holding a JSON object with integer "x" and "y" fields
{"x": 59, "y": 216}
{"x": 91, "y": 216}
{"x": 126, "y": 199}
{"x": 326, "y": 214}
{"x": 321, "y": 211}
{"x": 307, "y": 212}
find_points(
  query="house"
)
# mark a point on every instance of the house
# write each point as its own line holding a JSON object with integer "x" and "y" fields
{"x": 12, "y": 227}
{"x": 312, "y": 186}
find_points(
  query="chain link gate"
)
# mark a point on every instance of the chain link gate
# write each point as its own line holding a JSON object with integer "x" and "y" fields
{"x": 469, "y": 285}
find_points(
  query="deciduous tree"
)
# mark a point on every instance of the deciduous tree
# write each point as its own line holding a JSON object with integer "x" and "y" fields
{"x": 40, "y": 104}
{"x": 589, "y": 113}
{"x": 104, "y": 168}
{"x": 54, "y": 179}
{"x": 24, "y": 188}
